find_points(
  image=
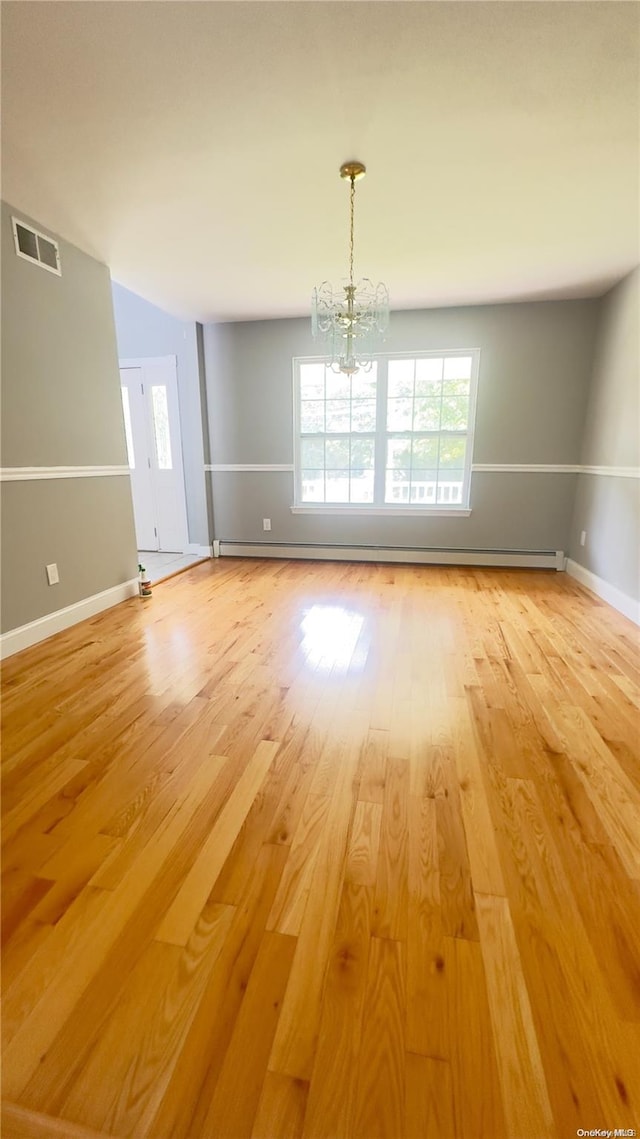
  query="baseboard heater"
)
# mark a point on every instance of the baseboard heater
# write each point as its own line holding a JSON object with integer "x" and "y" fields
{"x": 440, "y": 556}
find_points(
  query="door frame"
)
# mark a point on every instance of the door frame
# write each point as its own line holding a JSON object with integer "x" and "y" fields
{"x": 143, "y": 362}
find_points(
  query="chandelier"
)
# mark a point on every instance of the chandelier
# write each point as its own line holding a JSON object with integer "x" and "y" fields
{"x": 350, "y": 320}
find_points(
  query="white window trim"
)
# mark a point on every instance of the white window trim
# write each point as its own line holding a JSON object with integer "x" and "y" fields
{"x": 378, "y": 508}
{"x": 388, "y": 511}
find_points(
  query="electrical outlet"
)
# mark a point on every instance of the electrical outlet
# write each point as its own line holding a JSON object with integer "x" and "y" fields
{"x": 583, "y": 537}
{"x": 52, "y": 574}
{"x": 266, "y": 523}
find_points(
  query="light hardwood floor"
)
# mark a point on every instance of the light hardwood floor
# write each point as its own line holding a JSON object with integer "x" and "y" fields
{"x": 325, "y": 851}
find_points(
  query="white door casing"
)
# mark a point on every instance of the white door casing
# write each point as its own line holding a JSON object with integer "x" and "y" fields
{"x": 157, "y": 476}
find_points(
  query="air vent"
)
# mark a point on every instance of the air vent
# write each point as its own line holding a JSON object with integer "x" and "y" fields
{"x": 37, "y": 247}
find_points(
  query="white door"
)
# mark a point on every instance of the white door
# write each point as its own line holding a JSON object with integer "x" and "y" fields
{"x": 152, "y": 424}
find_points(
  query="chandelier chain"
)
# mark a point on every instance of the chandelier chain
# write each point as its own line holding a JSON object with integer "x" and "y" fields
{"x": 352, "y": 205}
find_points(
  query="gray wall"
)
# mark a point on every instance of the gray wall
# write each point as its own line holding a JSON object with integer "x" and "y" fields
{"x": 144, "y": 330}
{"x": 534, "y": 373}
{"x": 61, "y": 406}
{"x": 607, "y": 507}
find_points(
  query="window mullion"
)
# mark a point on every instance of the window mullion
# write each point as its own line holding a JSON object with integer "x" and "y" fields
{"x": 380, "y": 450}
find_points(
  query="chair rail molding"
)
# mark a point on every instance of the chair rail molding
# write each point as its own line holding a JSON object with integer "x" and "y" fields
{"x": 28, "y": 474}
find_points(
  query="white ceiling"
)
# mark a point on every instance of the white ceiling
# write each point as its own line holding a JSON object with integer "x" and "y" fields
{"x": 194, "y": 146}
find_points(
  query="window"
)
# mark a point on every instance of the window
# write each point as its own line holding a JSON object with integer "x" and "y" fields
{"x": 161, "y": 427}
{"x": 337, "y": 435}
{"x": 396, "y": 438}
{"x": 127, "y": 426}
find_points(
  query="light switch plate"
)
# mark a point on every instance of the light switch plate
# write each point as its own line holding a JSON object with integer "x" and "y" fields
{"x": 52, "y": 574}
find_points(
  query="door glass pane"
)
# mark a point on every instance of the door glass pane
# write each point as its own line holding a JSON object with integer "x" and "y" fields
{"x": 161, "y": 427}
{"x": 127, "y": 426}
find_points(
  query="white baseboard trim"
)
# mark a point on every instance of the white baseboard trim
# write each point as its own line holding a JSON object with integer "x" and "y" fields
{"x": 15, "y": 640}
{"x": 199, "y": 551}
{"x": 609, "y": 593}
{"x": 533, "y": 560}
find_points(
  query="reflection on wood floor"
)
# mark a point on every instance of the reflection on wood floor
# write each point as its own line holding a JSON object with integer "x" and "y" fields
{"x": 325, "y": 850}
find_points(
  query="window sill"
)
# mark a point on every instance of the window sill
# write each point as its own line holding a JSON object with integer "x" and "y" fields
{"x": 383, "y": 511}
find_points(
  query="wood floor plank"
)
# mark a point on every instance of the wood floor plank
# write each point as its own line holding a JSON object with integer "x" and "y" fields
{"x": 36, "y": 1034}
{"x": 429, "y": 1110}
{"x": 180, "y": 920}
{"x": 614, "y": 797}
{"x": 290, "y": 902}
{"x": 391, "y": 896}
{"x": 45, "y": 790}
{"x": 142, "y": 1039}
{"x": 427, "y": 997}
{"x": 232, "y": 1108}
{"x": 202, "y": 1056}
{"x": 22, "y": 892}
{"x": 39, "y": 970}
{"x": 608, "y": 901}
{"x": 364, "y": 844}
{"x": 373, "y": 766}
{"x": 261, "y": 884}
{"x": 295, "y": 1042}
{"x": 471, "y": 1049}
{"x": 522, "y": 1081}
{"x": 331, "y": 1102}
{"x": 281, "y": 1109}
{"x": 20, "y": 1123}
{"x": 456, "y": 888}
{"x": 486, "y": 872}
{"x": 561, "y": 972}
{"x": 379, "y": 1111}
